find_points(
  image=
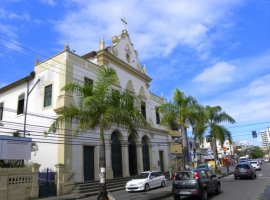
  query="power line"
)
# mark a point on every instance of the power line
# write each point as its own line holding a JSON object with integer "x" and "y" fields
{"x": 48, "y": 57}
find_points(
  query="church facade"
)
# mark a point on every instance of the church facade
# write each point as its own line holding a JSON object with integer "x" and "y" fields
{"x": 32, "y": 103}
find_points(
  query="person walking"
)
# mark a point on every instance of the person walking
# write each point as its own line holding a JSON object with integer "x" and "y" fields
{"x": 171, "y": 171}
{"x": 228, "y": 166}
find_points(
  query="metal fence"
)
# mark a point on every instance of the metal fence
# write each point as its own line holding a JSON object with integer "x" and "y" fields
{"x": 47, "y": 184}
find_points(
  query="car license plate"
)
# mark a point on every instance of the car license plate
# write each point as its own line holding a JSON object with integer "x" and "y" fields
{"x": 185, "y": 192}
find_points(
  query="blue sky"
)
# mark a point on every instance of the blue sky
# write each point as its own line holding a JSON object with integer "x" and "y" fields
{"x": 216, "y": 51}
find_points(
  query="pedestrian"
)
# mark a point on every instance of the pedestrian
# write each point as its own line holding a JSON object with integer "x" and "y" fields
{"x": 170, "y": 171}
{"x": 228, "y": 165}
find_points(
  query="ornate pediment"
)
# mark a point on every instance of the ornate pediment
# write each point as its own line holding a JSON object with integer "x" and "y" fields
{"x": 123, "y": 49}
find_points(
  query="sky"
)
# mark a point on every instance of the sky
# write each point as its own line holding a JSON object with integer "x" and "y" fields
{"x": 215, "y": 51}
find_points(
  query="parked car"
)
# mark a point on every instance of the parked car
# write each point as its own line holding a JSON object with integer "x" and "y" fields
{"x": 243, "y": 159}
{"x": 260, "y": 160}
{"x": 255, "y": 164}
{"x": 244, "y": 170}
{"x": 146, "y": 181}
{"x": 195, "y": 183}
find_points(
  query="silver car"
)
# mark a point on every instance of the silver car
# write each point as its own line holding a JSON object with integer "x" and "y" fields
{"x": 255, "y": 164}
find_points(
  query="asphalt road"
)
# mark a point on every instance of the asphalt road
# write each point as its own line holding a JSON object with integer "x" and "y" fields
{"x": 244, "y": 189}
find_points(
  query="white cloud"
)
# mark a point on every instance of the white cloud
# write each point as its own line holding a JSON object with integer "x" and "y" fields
{"x": 221, "y": 72}
{"x": 5, "y": 14}
{"x": 50, "y": 2}
{"x": 260, "y": 87}
{"x": 249, "y": 103}
{"x": 8, "y": 30}
{"x": 165, "y": 25}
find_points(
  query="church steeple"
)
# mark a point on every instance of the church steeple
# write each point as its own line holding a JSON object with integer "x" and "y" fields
{"x": 124, "y": 31}
{"x": 67, "y": 47}
{"x": 102, "y": 44}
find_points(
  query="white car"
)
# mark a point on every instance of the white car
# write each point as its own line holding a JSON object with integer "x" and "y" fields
{"x": 255, "y": 164}
{"x": 146, "y": 181}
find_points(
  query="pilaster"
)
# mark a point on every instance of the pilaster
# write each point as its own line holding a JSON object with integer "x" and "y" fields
{"x": 125, "y": 159}
{"x": 109, "y": 171}
{"x": 139, "y": 157}
{"x": 152, "y": 158}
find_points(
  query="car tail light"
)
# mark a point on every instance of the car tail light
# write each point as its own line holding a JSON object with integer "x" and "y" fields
{"x": 196, "y": 175}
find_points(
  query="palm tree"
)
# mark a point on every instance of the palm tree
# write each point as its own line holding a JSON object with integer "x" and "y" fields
{"x": 101, "y": 106}
{"x": 213, "y": 118}
{"x": 180, "y": 112}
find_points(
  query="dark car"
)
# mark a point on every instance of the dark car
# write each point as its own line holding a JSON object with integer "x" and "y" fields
{"x": 195, "y": 182}
{"x": 205, "y": 166}
{"x": 244, "y": 170}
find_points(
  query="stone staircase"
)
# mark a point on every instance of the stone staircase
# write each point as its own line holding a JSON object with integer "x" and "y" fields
{"x": 91, "y": 188}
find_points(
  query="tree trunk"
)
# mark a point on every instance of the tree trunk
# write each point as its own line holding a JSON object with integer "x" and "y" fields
{"x": 103, "y": 195}
{"x": 184, "y": 145}
{"x": 214, "y": 149}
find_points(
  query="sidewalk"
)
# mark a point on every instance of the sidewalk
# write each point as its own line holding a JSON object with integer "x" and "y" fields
{"x": 155, "y": 194}
{"x": 159, "y": 194}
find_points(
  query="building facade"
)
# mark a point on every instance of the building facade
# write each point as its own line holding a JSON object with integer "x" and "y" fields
{"x": 30, "y": 105}
{"x": 223, "y": 150}
{"x": 265, "y": 135}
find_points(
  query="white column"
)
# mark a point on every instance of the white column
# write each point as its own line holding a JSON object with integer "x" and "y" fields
{"x": 139, "y": 157}
{"x": 108, "y": 153}
{"x": 125, "y": 159}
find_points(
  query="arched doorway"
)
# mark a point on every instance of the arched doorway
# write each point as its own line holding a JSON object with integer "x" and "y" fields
{"x": 116, "y": 155}
{"x": 145, "y": 152}
{"x": 132, "y": 155}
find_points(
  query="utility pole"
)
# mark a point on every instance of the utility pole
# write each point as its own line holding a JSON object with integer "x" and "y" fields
{"x": 26, "y": 104}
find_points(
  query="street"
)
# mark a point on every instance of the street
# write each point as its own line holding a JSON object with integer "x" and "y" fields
{"x": 243, "y": 189}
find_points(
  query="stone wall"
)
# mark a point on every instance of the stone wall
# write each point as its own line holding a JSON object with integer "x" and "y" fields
{"x": 19, "y": 183}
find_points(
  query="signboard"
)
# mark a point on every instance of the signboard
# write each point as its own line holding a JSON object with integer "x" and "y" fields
{"x": 15, "y": 148}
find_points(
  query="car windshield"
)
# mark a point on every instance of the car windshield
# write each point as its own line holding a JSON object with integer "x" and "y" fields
{"x": 245, "y": 166}
{"x": 253, "y": 162}
{"x": 142, "y": 176}
{"x": 202, "y": 166}
{"x": 243, "y": 160}
{"x": 184, "y": 175}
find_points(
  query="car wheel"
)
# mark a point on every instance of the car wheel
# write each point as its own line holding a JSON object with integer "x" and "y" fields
{"x": 162, "y": 184}
{"x": 204, "y": 195}
{"x": 146, "y": 187}
{"x": 176, "y": 197}
{"x": 218, "y": 190}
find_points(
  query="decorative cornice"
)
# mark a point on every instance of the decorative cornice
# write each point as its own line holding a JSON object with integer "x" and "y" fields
{"x": 106, "y": 57}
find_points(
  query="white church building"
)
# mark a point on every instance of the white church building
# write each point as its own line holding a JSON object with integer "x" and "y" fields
{"x": 30, "y": 105}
